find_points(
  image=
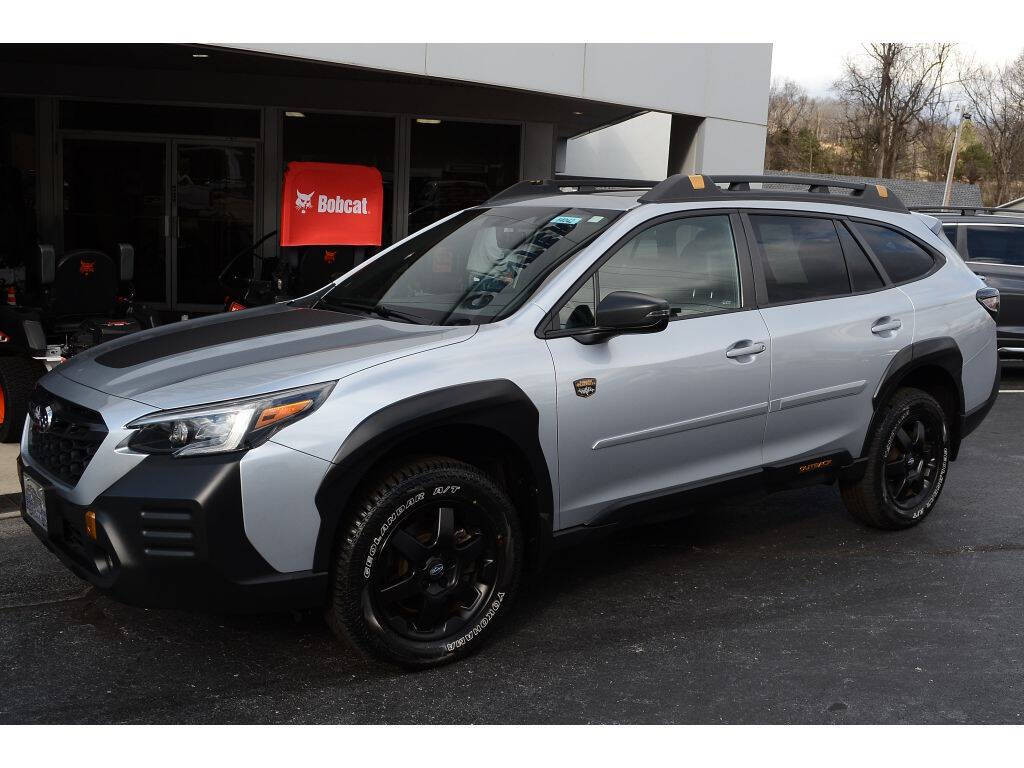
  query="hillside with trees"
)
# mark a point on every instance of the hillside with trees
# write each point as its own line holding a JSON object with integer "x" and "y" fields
{"x": 892, "y": 114}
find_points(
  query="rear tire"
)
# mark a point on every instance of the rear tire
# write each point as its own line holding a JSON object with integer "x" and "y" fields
{"x": 18, "y": 378}
{"x": 429, "y": 563}
{"x": 907, "y": 461}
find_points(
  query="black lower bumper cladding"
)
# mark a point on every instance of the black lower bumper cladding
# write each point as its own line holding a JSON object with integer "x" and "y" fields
{"x": 170, "y": 533}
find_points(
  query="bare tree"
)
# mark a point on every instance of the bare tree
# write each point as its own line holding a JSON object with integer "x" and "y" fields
{"x": 995, "y": 99}
{"x": 887, "y": 93}
{"x": 789, "y": 107}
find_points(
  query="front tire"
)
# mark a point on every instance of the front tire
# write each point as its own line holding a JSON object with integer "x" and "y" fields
{"x": 430, "y": 562}
{"x": 18, "y": 377}
{"x": 908, "y": 458}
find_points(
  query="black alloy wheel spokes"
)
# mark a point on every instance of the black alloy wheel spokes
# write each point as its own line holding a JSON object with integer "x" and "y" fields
{"x": 439, "y": 568}
{"x": 913, "y": 462}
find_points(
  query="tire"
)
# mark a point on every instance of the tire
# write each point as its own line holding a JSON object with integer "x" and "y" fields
{"x": 908, "y": 458}
{"x": 431, "y": 560}
{"x": 18, "y": 377}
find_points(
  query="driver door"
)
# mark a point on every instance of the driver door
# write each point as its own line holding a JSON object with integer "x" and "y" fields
{"x": 641, "y": 415}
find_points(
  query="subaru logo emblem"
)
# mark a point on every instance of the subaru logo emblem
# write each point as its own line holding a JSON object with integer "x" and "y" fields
{"x": 436, "y": 570}
{"x": 42, "y": 417}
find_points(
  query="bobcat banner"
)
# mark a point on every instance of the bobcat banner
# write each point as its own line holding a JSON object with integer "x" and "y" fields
{"x": 331, "y": 204}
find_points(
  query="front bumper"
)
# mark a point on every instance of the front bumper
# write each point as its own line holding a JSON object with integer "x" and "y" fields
{"x": 170, "y": 533}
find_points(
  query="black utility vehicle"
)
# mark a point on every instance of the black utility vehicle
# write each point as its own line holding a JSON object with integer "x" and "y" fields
{"x": 991, "y": 241}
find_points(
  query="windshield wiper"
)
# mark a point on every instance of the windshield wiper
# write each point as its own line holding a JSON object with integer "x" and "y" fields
{"x": 380, "y": 310}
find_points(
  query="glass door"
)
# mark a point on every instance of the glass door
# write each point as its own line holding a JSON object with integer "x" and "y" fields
{"x": 115, "y": 191}
{"x": 214, "y": 217}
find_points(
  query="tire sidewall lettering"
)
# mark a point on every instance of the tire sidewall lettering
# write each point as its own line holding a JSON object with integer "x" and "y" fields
{"x": 397, "y": 513}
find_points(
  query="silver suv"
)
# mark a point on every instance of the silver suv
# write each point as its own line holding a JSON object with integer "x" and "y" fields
{"x": 572, "y": 357}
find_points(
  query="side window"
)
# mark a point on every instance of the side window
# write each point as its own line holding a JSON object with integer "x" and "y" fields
{"x": 580, "y": 310}
{"x": 690, "y": 262}
{"x": 802, "y": 258}
{"x": 949, "y": 230}
{"x": 863, "y": 275}
{"x": 996, "y": 245}
{"x": 901, "y": 257}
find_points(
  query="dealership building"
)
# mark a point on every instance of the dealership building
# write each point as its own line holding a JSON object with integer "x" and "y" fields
{"x": 182, "y": 150}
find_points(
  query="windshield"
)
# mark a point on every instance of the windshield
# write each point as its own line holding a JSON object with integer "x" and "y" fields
{"x": 475, "y": 268}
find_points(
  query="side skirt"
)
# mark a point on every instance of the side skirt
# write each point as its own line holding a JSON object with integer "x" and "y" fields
{"x": 813, "y": 470}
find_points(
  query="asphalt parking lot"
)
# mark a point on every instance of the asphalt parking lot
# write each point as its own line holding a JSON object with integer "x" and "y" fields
{"x": 784, "y": 611}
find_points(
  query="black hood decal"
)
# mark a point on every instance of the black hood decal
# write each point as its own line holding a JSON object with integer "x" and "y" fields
{"x": 232, "y": 328}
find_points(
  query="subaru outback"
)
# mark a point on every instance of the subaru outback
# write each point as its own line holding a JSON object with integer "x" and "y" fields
{"x": 574, "y": 356}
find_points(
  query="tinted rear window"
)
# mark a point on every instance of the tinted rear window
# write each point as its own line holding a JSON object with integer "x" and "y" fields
{"x": 949, "y": 230}
{"x": 900, "y": 256}
{"x": 802, "y": 258}
{"x": 996, "y": 245}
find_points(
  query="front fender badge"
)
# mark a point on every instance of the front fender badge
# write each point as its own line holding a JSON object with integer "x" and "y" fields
{"x": 585, "y": 387}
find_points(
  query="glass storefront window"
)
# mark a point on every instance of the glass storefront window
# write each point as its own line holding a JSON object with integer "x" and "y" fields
{"x": 216, "y": 189}
{"x": 17, "y": 181}
{"x": 356, "y": 140}
{"x": 115, "y": 192}
{"x": 455, "y": 165}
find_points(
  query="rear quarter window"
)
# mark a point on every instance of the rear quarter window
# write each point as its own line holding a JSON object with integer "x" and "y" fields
{"x": 901, "y": 257}
{"x": 996, "y": 245}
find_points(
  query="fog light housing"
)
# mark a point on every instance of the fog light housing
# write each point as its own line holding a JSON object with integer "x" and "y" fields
{"x": 90, "y": 524}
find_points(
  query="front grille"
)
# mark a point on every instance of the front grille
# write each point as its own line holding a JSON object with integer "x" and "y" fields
{"x": 65, "y": 438}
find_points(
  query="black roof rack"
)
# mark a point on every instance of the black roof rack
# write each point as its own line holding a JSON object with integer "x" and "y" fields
{"x": 699, "y": 188}
{"x": 966, "y": 210}
{"x": 563, "y": 185}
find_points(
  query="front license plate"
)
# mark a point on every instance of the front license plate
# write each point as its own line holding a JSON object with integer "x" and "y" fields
{"x": 35, "y": 503}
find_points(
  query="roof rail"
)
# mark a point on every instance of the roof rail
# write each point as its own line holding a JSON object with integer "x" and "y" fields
{"x": 966, "y": 210}
{"x": 562, "y": 185}
{"x": 699, "y": 188}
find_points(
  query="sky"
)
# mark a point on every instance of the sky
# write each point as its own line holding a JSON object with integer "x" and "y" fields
{"x": 816, "y": 65}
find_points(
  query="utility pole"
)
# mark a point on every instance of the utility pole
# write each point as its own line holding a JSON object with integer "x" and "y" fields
{"x": 947, "y": 195}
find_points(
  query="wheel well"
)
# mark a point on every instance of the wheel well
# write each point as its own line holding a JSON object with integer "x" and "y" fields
{"x": 938, "y": 382}
{"x": 488, "y": 450}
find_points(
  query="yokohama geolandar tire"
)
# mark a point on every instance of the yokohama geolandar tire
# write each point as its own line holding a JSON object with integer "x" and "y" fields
{"x": 429, "y": 562}
{"x": 18, "y": 377}
{"x": 908, "y": 458}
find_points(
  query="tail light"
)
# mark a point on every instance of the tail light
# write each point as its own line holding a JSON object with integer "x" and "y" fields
{"x": 989, "y": 299}
{"x": 234, "y": 306}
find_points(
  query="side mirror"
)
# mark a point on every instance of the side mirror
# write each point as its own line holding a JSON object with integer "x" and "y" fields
{"x": 628, "y": 312}
{"x": 127, "y": 261}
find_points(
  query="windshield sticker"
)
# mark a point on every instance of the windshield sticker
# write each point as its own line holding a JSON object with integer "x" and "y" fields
{"x": 571, "y": 220}
{"x": 595, "y": 219}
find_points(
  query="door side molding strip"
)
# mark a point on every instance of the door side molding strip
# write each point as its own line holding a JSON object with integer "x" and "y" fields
{"x": 818, "y": 395}
{"x": 757, "y": 409}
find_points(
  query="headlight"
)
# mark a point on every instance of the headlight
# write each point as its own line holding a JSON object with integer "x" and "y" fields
{"x": 223, "y": 427}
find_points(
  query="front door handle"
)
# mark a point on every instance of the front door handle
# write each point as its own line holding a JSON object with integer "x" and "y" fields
{"x": 886, "y": 325}
{"x": 745, "y": 349}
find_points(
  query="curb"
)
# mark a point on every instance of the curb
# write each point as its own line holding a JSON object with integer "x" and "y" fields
{"x": 10, "y": 505}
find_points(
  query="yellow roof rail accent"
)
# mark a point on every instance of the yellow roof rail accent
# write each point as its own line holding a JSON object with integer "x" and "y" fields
{"x": 696, "y": 181}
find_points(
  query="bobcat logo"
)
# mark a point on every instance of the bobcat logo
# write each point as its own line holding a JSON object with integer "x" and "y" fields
{"x": 303, "y": 201}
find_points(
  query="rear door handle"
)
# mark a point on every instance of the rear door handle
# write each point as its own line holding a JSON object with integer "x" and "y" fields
{"x": 885, "y": 324}
{"x": 745, "y": 349}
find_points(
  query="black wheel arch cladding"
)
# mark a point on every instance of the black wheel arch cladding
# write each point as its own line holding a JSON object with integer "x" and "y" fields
{"x": 941, "y": 352}
{"x": 496, "y": 404}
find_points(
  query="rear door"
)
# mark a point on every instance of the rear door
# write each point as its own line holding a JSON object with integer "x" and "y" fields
{"x": 835, "y": 323}
{"x": 641, "y": 415}
{"x": 996, "y": 251}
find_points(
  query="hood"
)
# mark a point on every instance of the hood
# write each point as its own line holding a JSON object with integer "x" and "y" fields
{"x": 238, "y": 354}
